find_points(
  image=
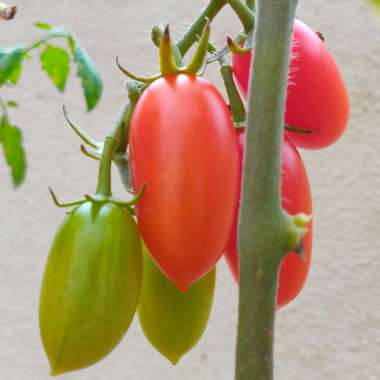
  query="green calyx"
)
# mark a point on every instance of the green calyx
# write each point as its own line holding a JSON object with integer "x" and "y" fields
{"x": 235, "y": 48}
{"x": 100, "y": 199}
{"x": 296, "y": 231}
{"x": 169, "y": 60}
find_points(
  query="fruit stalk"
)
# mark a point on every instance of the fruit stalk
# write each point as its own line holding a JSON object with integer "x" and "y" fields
{"x": 262, "y": 221}
{"x": 104, "y": 181}
{"x": 191, "y": 36}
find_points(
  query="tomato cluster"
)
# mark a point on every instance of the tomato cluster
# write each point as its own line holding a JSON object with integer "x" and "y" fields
{"x": 187, "y": 154}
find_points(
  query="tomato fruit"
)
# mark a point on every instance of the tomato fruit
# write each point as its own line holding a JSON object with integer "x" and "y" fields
{"x": 183, "y": 147}
{"x": 91, "y": 285}
{"x": 317, "y": 96}
{"x": 173, "y": 321}
{"x": 296, "y": 198}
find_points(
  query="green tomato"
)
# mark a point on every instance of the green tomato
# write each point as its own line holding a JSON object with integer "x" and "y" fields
{"x": 173, "y": 321}
{"x": 91, "y": 285}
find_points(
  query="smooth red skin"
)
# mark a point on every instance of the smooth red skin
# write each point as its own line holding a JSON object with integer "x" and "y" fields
{"x": 184, "y": 148}
{"x": 296, "y": 197}
{"x": 317, "y": 96}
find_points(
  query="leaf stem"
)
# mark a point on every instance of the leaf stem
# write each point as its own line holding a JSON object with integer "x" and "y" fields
{"x": 262, "y": 221}
{"x": 3, "y": 108}
{"x": 56, "y": 32}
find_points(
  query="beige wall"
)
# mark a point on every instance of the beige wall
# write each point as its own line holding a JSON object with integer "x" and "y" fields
{"x": 331, "y": 332}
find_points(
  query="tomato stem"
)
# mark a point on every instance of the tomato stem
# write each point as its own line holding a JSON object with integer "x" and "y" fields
{"x": 104, "y": 179}
{"x": 250, "y": 4}
{"x": 121, "y": 133}
{"x": 122, "y": 124}
{"x": 244, "y": 13}
{"x": 191, "y": 36}
{"x": 237, "y": 107}
{"x": 263, "y": 223}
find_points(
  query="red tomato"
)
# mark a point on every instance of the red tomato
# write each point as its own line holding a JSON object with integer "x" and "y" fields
{"x": 184, "y": 148}
{"x": 296, "y": 198}
{"x": 317, "y": 97}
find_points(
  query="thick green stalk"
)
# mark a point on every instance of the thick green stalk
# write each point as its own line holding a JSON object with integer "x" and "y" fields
{"x": 262, "y": 222}
{"x": 191, "y": 36}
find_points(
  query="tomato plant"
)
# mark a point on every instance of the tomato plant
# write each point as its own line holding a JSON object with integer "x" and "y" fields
{"x": 91, "y": 285}
{"x": 175, "y": 146}
{"x": 317, "y": 98}
{"x": 296, "y": 197}
{"x": 184, "y": 149}
{"x": 171, "y": 320}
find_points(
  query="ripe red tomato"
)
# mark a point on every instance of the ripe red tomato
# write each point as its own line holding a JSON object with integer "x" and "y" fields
{"x": 296, "y": 198}
{"x": 317, "y": 97}
{"x": 184, "y": 148}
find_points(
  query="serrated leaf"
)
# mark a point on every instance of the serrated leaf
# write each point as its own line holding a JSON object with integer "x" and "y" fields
{"x": 88, "y": 73}
{"x": 43, "y": 25}
{"x": 56, "y": 62}
{"x": 11, "y": 139}
{"x": 10, "y": 62}
{"x": 12, "y": 104}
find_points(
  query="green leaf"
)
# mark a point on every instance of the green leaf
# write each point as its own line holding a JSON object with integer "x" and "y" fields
{"x": 10, "y": 62}
{"x": 16, "y": 74}
{"x": 43, "y": 25}
{"x": 11, "y": 138}
{"x": 12, "y": 104}
{"x": 56, "y": 62}
{"x": 88, "y": 73}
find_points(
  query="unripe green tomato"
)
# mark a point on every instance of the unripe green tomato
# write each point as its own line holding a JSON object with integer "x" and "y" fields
{"x": 91, "y": 285}
{"x": 173, "y": 321}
